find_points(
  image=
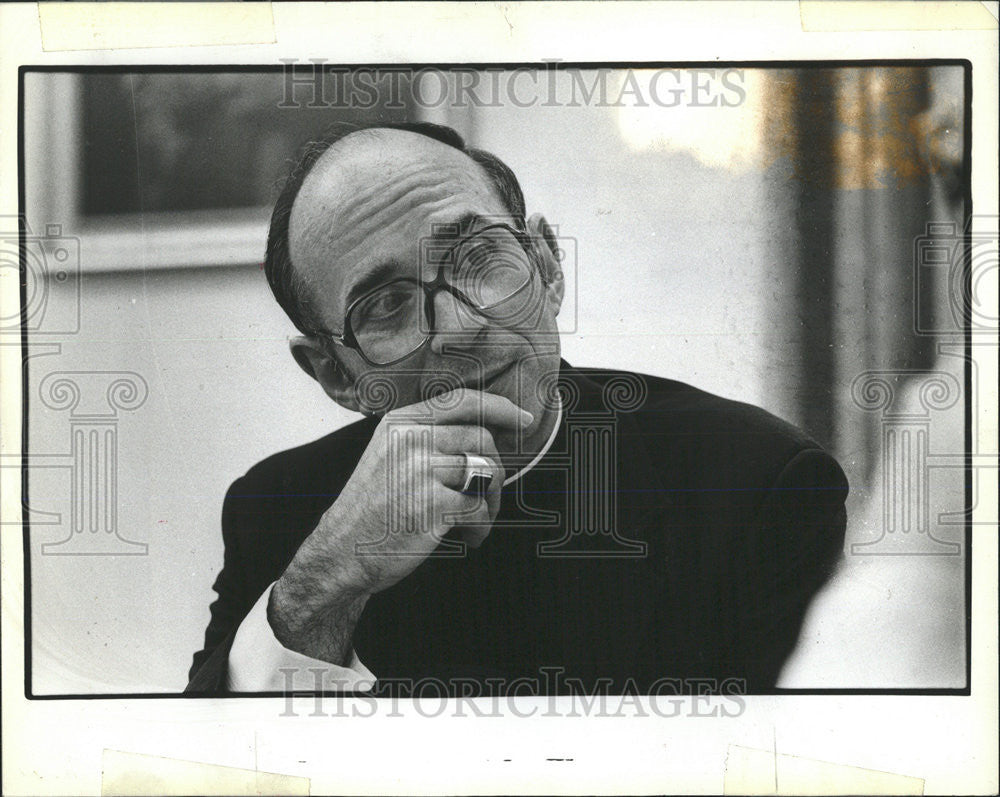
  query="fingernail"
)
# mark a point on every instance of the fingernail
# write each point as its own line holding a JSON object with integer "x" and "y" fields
{"x": 527, "y": 417}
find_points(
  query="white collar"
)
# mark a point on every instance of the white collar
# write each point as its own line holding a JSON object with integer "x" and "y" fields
{"x": 543, "y": 452}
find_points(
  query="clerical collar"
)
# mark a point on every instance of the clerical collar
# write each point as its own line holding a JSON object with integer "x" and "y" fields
{"x": 545, "y": 448}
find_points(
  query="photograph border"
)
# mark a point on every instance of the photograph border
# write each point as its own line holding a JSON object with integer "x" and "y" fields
{"x": 577, "y": 65}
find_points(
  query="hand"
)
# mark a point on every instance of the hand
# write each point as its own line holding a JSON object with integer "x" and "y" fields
{"x": 402, "y": 498}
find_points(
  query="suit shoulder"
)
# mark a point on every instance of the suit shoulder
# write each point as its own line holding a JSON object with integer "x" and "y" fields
{"x": 711, "y": 431}
{"x": 319, "y": 459}
{"x": 699, "y": 409}
{"x": 279, "y": 500}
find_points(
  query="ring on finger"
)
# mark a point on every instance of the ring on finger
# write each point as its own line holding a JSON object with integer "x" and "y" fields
{"x": 478, "y": 475}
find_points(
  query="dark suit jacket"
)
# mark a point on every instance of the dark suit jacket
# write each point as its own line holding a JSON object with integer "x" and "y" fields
{"x": 670, "y": 540}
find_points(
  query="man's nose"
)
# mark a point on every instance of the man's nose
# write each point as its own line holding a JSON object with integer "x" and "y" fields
{"x": 454, "y": 321}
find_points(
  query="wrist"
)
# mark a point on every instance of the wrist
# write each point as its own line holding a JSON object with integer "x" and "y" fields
{"x": 322, "y": 576}
{"x": 297, "y": 603}
{"x": 321, "y": 631}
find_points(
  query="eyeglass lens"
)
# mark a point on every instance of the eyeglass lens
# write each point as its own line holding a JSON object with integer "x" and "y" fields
{"x": 487, "y": 269}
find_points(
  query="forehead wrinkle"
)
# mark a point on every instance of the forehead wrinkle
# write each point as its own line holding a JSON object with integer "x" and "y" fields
{"x": 383, "y": 216}
{"x": 410, "y": 189}
{"x": 344, "y": 224}
{"x": 384, "y": 220}
{"x": 397, "y": 216}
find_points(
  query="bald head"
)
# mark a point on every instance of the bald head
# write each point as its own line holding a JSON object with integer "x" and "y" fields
{"x": 370, "y": 175}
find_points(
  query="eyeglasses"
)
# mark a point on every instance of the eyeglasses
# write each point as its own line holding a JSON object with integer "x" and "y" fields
{"x": 488, "y": 271}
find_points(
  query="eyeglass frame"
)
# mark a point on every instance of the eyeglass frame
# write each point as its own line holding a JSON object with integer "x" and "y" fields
{"x": 430, "y": 288}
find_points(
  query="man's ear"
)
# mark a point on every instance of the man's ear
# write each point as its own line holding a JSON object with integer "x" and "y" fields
{"x": 314, "y": 358}
{"x": 547, "y": 250}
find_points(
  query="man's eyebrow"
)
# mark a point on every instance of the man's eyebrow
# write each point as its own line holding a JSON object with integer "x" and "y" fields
{"x": 375, "y": 276}
{"x": 463, "y": 225}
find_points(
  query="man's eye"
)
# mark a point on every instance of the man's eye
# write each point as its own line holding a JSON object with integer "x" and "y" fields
{"x": 387, "y": 303}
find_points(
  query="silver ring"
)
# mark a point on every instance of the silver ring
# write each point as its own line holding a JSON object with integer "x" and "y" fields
{"x": 478, "y": 475}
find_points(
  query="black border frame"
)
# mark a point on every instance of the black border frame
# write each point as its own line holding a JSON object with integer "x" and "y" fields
{"x": 966, "y": 65}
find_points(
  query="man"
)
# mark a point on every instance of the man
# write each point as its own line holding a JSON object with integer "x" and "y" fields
{"x": 623, "y": 531}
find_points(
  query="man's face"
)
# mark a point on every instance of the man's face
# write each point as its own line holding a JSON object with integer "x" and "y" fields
{"x": 386, "y": 204}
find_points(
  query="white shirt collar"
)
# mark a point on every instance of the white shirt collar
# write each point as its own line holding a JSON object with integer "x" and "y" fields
{"x": 543, "y": 452}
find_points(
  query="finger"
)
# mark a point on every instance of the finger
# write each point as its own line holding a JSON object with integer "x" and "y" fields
{"x": 488, "y": 450}
{"x": 475, "y": 523}
{"x": 466, "y": 439}
{"x": 476, "y": 440}
{"x": 452, "y": 508}
{"x": 475, "y": 535}
{"x": 495, "y": 489}
{"x": 465, "y": 406}
{"x": 469, "y": 474}
{"x": 463, "y": 507}
{"x": 450, "y": 470}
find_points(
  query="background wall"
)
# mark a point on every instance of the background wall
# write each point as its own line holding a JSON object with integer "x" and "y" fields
{"x": 699, "y": 242}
